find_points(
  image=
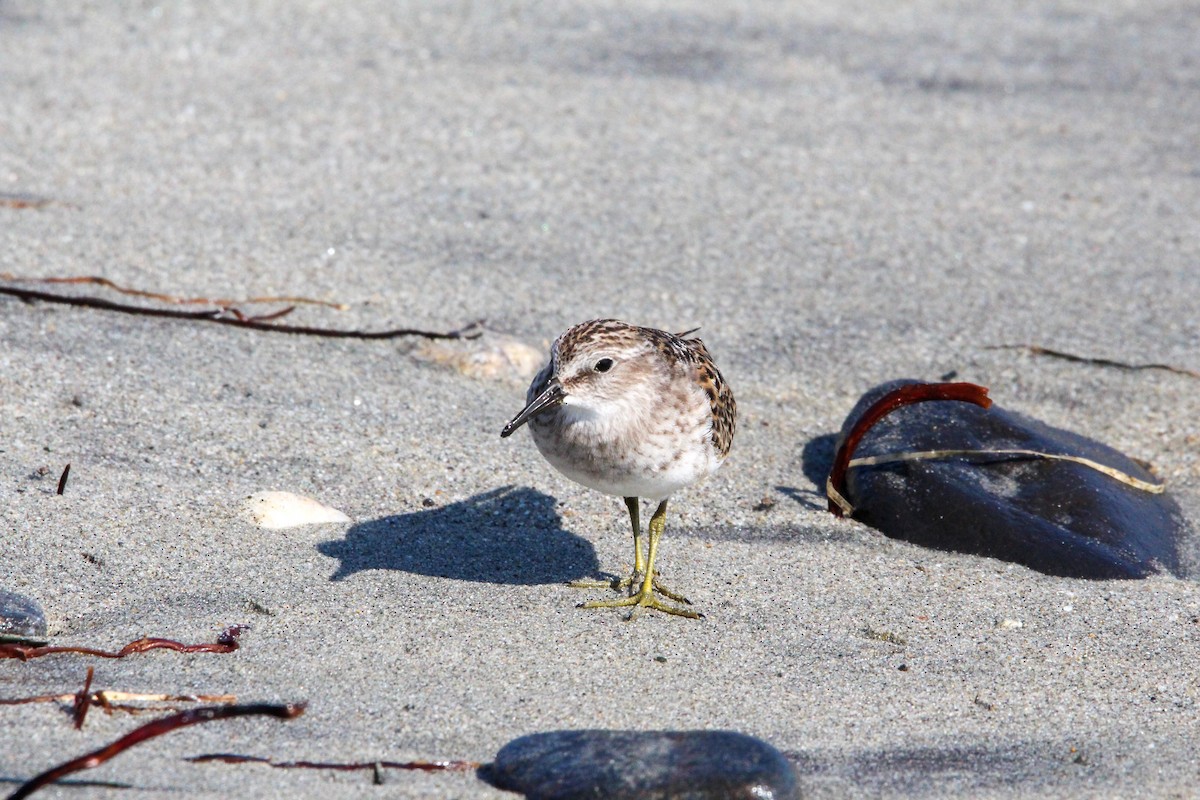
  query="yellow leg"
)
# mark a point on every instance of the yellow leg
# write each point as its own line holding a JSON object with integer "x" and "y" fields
{"x": 645, "y": 596}
{"x": 658, "y": 524}
{"x": 632, "y": 504}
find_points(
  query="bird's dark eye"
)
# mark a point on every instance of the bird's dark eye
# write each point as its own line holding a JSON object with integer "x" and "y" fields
{"x": 604, "y": 365}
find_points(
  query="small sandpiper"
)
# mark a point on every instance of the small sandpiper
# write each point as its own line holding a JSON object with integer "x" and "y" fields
{"x": 635, "y": 413}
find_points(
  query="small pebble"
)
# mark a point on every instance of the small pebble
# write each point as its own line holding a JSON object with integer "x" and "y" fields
{"x": 287, "y": 510}
{"x": 21, "y": 619}
{"x": 634, "y": 765}
{"x": 765, "y": 504}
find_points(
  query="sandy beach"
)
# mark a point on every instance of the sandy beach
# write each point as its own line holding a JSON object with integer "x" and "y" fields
{"x": 838, "y": 194}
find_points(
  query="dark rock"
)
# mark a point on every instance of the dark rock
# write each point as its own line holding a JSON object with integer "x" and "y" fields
{"x": 1057, "y": 517}
{"x": 21, "y": 618}
{"x": 643, "y": 765}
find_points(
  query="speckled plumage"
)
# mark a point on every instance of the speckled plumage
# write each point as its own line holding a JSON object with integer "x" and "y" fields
{"x": 660, "y": 419}
{"x": 629, "y": 411}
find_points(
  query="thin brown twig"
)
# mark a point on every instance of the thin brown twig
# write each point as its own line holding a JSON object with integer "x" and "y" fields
{"x": 38, "y": 698}
{"x": 227, "y": 316}
{"x": 425, "y": 766}
{"x": 283, "y": 312}
{"x": 83, "y": 700}
{"x": 107, "y": 700}
{"x": 1038, "y": 350}
{"x": 150, "y": 730}
{"x": 226, "y": 642}
{"x": 111, "y": 700}
{"x": 62, "y": 481}
{"x": 174, "y": 299}
{"x": 21, "y": 201}
{"x": 136, "y": 710}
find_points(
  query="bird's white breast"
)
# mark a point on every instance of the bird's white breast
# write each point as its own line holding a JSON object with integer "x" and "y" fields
{"x": 649, "y": 444}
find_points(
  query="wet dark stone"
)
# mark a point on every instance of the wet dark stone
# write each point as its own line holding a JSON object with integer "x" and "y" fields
{"x": 643, "y": 765}
{"x": 1056, "y": 517}
{"x": 21, "y": 618}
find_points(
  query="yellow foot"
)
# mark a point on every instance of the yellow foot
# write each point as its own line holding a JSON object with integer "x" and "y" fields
{"x": 624, "y": 583}
{"x": 665, "y": 592}
{"x": 644, "y": 599}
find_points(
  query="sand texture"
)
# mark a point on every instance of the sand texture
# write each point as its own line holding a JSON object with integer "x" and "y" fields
{"x": 840, "y": 194}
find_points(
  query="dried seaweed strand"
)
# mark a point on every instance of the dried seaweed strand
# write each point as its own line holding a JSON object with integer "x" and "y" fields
{"x": 1038, "y": 350}
{"x": 150, "y": 730}
{"x": 62, "y": 481}
{"x": 226, "y": 643}
{"x": 23, "y": 201}
{"x": 111, "y": 700}
{"x": 929, "y": 455}
{"x": 83, "y": 700}
{"x": 225, "y": 316}
{"x": 424, "y": 766}
{"x": 175, "y": 299}
{"x": 38, "y": 698}
{"x": 909, "y": 394}
{"x": 108, "y": 700}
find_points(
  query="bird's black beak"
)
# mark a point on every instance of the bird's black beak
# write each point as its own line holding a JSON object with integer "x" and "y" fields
{"x": 552, "y": 396}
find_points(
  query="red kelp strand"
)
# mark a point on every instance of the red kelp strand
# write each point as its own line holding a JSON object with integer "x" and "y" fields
{"x": 226, "y": 643}
{"x": 151, "y": 729}
{"x": 906, "y": 395}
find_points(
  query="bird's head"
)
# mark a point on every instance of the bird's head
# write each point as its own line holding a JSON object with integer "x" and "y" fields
{"x": 595, "y": 368}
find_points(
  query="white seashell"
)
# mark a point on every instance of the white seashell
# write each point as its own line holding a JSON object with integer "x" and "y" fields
{"x": 492, "y": 357}
{"x": 287, "y": 510}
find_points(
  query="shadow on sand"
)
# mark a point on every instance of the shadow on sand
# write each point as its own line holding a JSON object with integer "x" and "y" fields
{"x": 507, "y": 535}
{"x": 817, "y": 460}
